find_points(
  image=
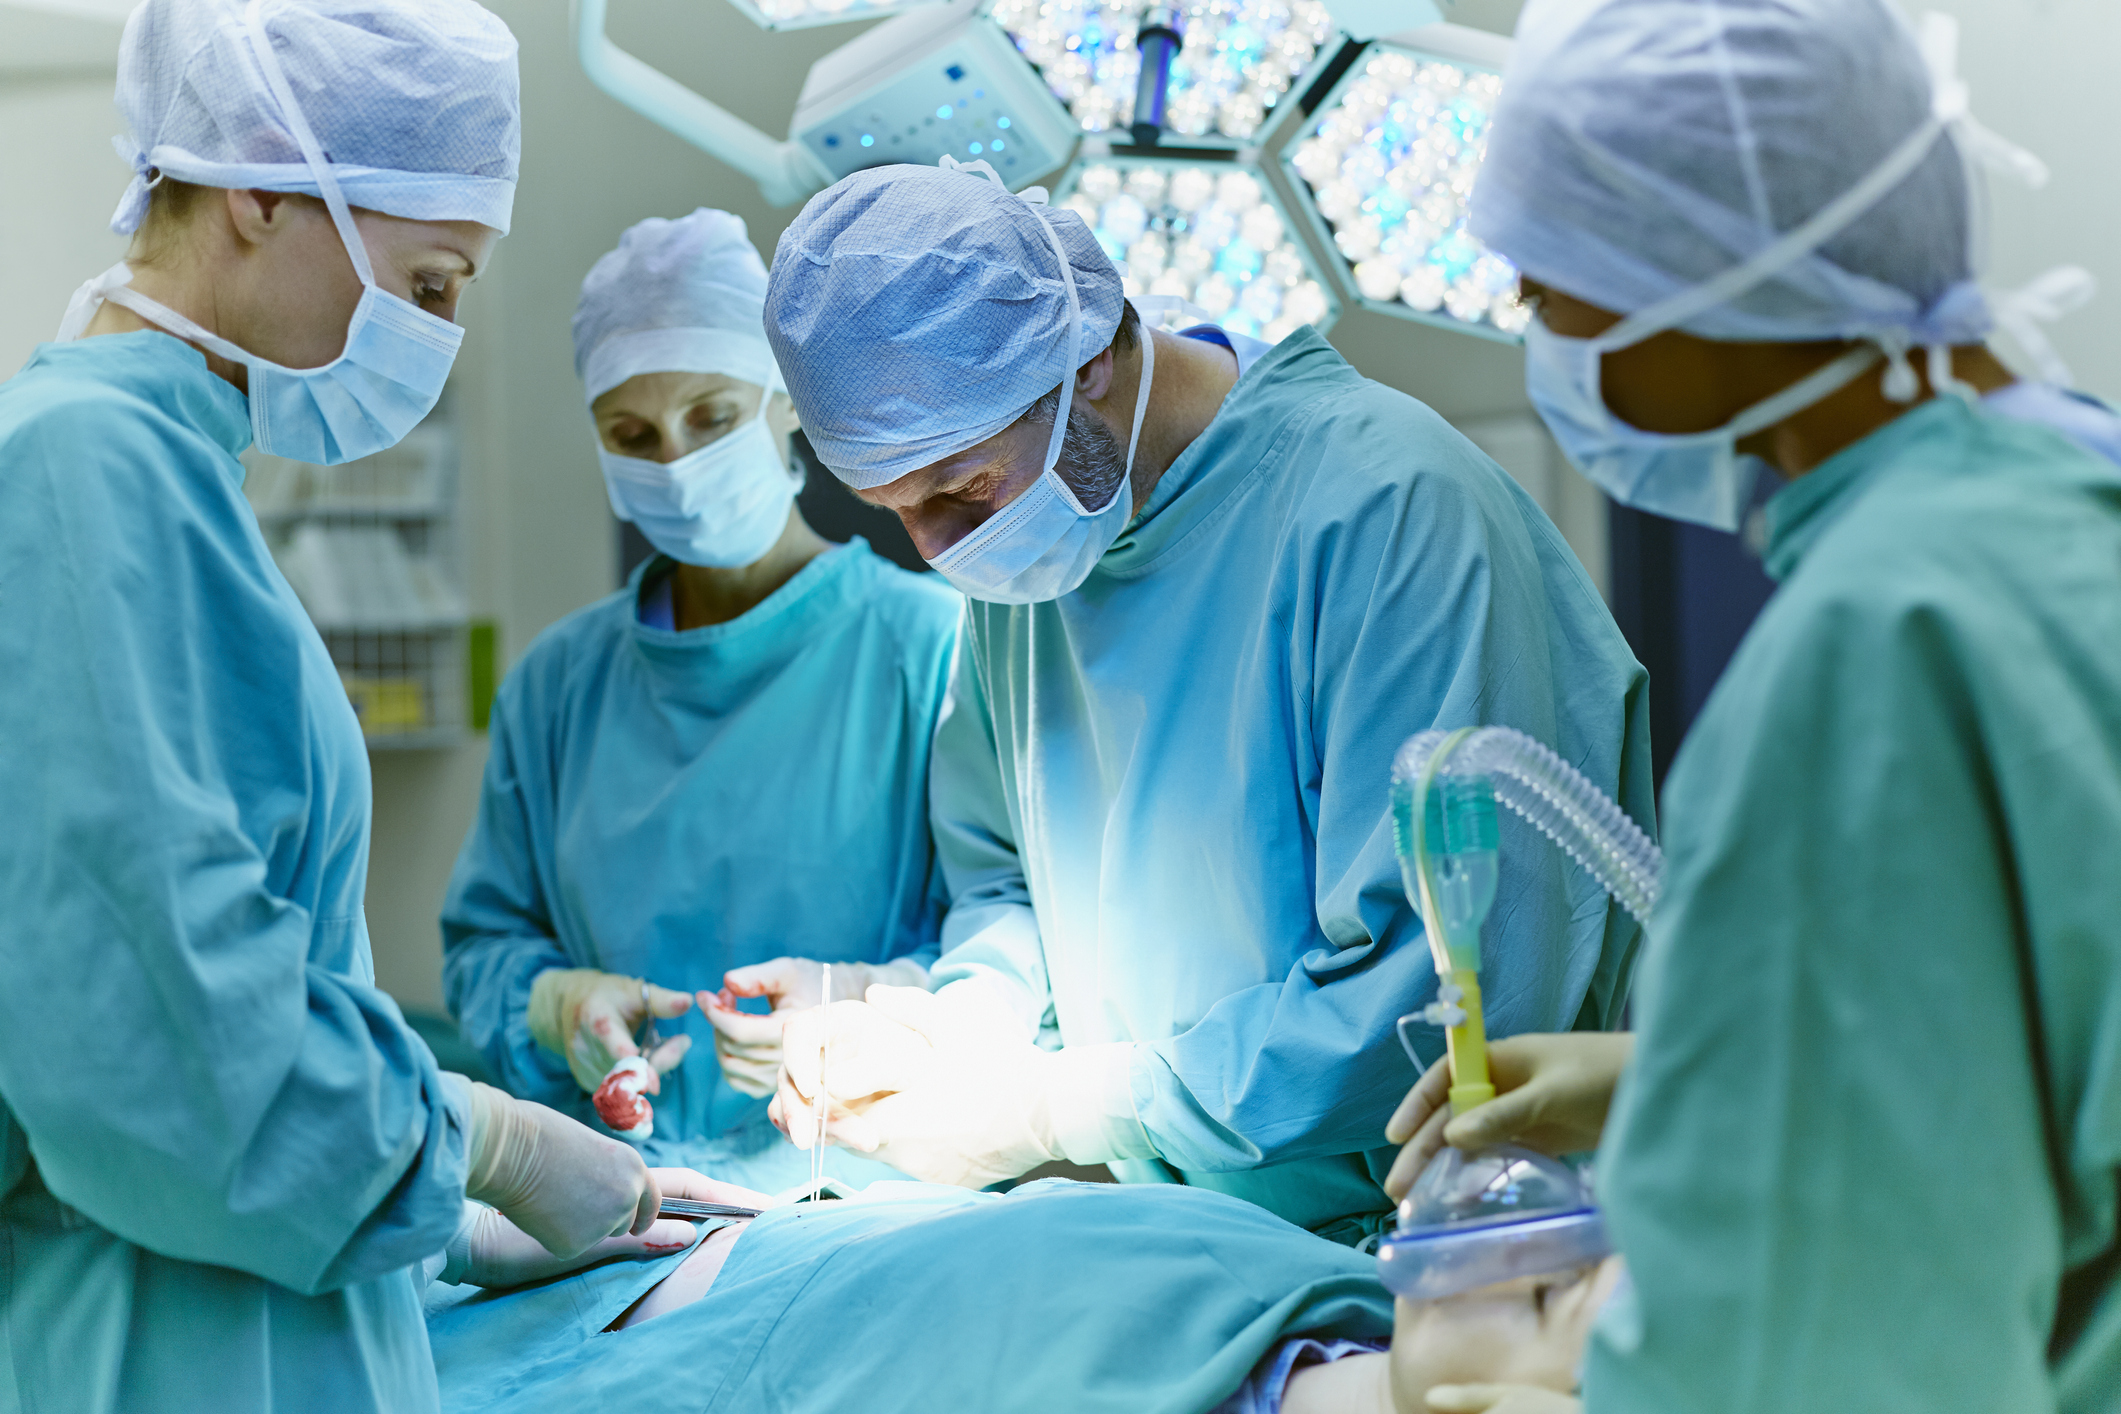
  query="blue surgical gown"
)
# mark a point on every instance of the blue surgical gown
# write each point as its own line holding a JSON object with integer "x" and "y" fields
{"x": 1079, "y": 1297}
{"x": 671, "y": 805}
{"x": 1869, "y": 1151}
{"x": 222, "y": 1152}
{"x": 1161, "y": 801}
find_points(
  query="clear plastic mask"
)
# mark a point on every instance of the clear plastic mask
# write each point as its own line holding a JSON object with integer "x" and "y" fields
{"x": 1472, "y": 1220}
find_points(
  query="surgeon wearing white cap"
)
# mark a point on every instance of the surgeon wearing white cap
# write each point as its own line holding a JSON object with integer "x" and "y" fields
{"x": 707, "y": 784}
{"x": 1214, "y": 585}
{"x": 227, "y": 1166}
{"x": 1867, "y": 1153}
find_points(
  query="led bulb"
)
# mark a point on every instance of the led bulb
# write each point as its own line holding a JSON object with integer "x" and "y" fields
{"x": 1207, "y": 233}
{"x": 1237, "y": 60}
{"x": 1389, "y": 162}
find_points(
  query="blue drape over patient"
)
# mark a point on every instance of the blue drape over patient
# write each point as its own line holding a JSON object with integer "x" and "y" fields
{"x": 1090, "y": 1298}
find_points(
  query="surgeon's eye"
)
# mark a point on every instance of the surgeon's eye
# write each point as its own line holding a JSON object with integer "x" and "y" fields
{"x": 431, "y": 293}
{"x": 978, "y": 490}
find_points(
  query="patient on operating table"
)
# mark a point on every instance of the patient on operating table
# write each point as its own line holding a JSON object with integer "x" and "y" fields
{"x": 1054, "y": 1297}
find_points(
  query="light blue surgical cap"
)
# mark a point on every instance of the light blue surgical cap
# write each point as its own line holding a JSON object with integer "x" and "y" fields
{"x": 683, "y": 296}
{"x": 1641, "y": 147}
{"x": 917, "y": 311}
{"x": 415, "y": 101}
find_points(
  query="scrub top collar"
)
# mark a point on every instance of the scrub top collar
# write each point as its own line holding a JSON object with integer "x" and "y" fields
{"x": 164, "y": 371}
{"x": 1803, "y": 511}
{"x": 1194, "y": 486}
{"x": 775, "y": 628}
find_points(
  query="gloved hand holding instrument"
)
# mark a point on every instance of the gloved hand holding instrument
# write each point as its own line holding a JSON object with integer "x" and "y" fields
{"x": 555, "y": 1178}
{"x": 588, "y": 1018}
{"x": 749, "y": 1045}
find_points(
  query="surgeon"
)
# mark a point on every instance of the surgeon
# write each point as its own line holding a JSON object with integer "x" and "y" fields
{"x": 1867, "y": 1154}
{"x": 224, "y": 1157}
{"x": 712, "y": 781}
{"x": 1214, "y": 585}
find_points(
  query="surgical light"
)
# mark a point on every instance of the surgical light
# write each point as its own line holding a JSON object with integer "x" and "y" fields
{"x": 1387, "y": 162}
{"x": 941, "y": 80}
{"x": 803, "y": 14}
{"x": 1237, "y": 61}
{"x": 1209, "y": 232}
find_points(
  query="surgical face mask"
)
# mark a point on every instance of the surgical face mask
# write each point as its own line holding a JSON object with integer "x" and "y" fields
{"x": 724, "y": 504}
{"x": 1044, "y": 543}
{"x": 1700, "y": 476}
{"x": 385, "y": 380}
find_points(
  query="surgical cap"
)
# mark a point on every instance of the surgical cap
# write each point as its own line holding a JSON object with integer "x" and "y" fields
{"x": 683, "y": 296}
{"x": 1641, "y": 147}
{"x": 917, "y": 311}
{"x": 415, "y": 101}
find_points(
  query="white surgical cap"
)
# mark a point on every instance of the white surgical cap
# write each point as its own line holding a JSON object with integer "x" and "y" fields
{"x": 917, "y": 311}
{"x": 1642, "y": 147}
{"x": 683, "y": 296}
{"x": 415, "y": 101}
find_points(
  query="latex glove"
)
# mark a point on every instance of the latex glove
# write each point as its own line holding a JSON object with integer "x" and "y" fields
{"x": 1552, "y": 1093}
{"x": 945, "y": 1086}
{"x": 588, "y": 1018}
{"x": 489, "y": 1250}
{"x": 749, "y": 1046}
{"x": 556, "y": 1179}
{"x": 1500, "y": 1399}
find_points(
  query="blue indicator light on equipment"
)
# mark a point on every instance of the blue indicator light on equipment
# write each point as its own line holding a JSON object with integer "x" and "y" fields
{"x": 832, "y": 139}
{"x": 943, "y": 112}
{"x": 1001, "y": 122}
{"x": 979, "y": 93}
{"x": 999, "y": 144}
{"x": 954, "y": 73}
{"x": 976, "y": 149}
{"x": 868, "y": 141}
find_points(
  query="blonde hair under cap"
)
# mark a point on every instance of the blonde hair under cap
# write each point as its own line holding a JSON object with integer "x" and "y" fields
{"x": 677, "y": 296}
{"x": 917, "y": 311}
{"x": 416, "y": 102}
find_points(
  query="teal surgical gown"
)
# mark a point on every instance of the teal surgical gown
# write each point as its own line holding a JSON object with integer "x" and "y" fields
{"x": 1059, "y": 1298}
{"x": 671, "y": 805}
{"x": 1161, "y": 801}
{"x": 222, "y": 1153}
{"x": 1869, "y": 1151}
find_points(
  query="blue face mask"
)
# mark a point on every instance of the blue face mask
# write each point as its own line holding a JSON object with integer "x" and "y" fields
{"x": 1700, "y": 476}
{"x": 385, "y": 380}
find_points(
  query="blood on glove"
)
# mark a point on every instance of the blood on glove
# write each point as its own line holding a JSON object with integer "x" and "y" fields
{"x": 621, "y": 1101}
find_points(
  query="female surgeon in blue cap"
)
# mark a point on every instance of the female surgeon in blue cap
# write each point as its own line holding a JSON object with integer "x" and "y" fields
{"x": 716, "y": 778}
{"x": 1867, "y": 1152}
{"x": 225, "y": 1161}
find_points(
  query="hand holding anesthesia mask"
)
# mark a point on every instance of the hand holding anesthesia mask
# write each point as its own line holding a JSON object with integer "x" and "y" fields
{"x": 699, "y": 461}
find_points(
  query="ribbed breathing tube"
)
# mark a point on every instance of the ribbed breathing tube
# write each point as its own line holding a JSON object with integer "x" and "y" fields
{"x": 1445, "y": 785}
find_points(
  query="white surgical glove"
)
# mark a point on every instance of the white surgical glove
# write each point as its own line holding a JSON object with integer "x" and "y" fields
{"x": 950, "y": 1088}
{"x": 749, "y": 1046}
{"x": 489, "y": 1250}
{"x": 558, "y": 1180}
{"x": 588, "y": 1018}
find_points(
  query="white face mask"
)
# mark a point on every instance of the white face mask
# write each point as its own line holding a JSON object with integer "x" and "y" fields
{"x": 385, "y": 380}
{"x": 1699, "y": 476}
{"x": 724, "y": 504}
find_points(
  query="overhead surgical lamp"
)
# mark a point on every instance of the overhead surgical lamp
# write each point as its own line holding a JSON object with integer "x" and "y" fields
{"x": 1207, "y": 229}
{"x": 1384, "y": 167}
{"x": 941, "y": 79}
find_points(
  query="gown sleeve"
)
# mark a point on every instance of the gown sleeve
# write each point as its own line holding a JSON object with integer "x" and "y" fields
{"x": 990, "y": 932}
{"x": 497, "y": 930}
{"x": 196, "y": 1055}
{"x": 1829, "y": 1166}
{"x": 1444, "y": 600}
